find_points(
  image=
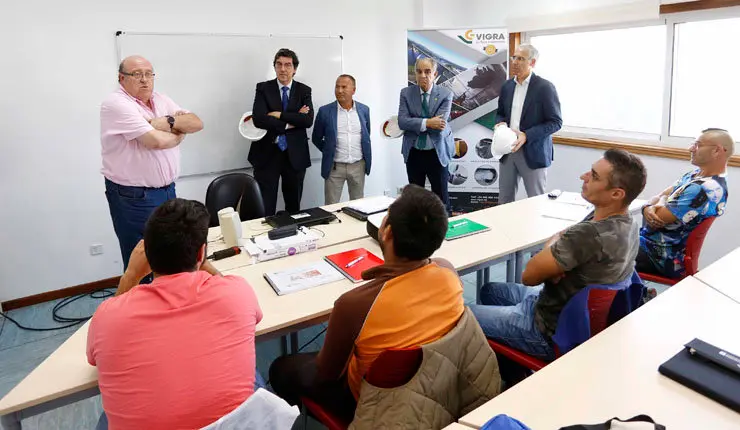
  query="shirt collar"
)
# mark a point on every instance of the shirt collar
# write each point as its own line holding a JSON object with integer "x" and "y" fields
{"x": 151, "y": 100}
{"x": 280, "y": 86}
{"x": 428, "y": 92}
{"x": 352, "y": 109}
{"x": 388, "y": 271}
{"x": 526, "y": 81}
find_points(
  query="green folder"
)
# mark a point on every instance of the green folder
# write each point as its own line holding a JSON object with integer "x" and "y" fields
{"x": 463, "y": 227}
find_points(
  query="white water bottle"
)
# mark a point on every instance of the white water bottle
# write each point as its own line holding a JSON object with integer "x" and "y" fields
{"x": 222, "y": 212}
{"x": 231, "y": 229}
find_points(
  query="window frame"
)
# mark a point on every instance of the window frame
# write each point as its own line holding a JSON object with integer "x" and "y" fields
{"x": 644, "y": 143}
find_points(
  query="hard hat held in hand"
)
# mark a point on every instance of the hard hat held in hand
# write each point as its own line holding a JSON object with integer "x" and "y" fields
{"x": 248, "y": 130}
{"x": 503, "y": 141}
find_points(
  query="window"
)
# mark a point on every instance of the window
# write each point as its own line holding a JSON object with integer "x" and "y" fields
{"x": 609, "y": 80}
{"x": 658, "y": 83}
{"x": 705, "y": 91}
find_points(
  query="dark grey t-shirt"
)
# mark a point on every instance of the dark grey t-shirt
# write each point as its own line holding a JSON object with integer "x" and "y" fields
{"x": 590, "y": 252}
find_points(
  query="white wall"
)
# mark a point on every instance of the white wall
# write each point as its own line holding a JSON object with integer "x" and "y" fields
{"x": 59, "y": 62}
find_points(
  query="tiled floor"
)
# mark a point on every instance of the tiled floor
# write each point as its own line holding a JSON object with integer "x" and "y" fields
{"x": 21, "y": 351}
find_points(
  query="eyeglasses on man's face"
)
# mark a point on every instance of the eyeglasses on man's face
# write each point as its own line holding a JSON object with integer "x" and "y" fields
{"x": 139, "y": 75}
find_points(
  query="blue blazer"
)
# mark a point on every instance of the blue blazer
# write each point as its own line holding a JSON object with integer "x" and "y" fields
{"x": 540, "y": 118}
{"x": 409, "y": 119}
{"x": 324, "y": 135}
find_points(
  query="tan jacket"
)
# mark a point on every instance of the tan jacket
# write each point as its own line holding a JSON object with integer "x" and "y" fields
{"x": 458, "y": 373}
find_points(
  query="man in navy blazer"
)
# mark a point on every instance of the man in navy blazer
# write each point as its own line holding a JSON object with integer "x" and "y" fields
{"x": 428, "y": 145}
{"x": 529, "y": 105}
{"x": 341, "y": 131}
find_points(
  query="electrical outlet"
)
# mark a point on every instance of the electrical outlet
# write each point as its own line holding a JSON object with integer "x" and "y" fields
{"x": 96, "y": 249}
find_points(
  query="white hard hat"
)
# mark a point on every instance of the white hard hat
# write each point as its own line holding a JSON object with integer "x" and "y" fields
{"x": 248, "y": 129}
{"x": 390, "y": 128}
{"x": 503, "y": 141}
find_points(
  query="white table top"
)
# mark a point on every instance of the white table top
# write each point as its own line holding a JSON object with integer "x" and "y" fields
{"x": 616, "y": 372}
{"x": 457, "y": 426}
{"x": 334, "y": 233}
{"x": 722, "y": 275}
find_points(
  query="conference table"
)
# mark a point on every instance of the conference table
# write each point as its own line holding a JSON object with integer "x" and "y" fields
{"x": 720, "y": 275}
{"x": 615, "y": 374}
{"x": 65, "y": 377}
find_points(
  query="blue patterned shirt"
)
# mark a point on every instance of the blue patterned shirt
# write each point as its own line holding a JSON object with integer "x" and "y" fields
{"x": 694, "y": 198}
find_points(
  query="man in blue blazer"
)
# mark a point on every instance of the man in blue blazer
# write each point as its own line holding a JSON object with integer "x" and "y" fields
{"x": 529, "y": 105}
{"x": 428, "y": 145}
{"x": 341, "y": 131}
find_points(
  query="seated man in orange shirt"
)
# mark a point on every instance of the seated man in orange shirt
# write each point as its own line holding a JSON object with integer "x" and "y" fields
{"x": 179, "y": 352}
{"x": 409, "y": 301}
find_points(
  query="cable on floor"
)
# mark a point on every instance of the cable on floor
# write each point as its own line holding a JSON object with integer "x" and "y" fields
{"x": 55, "y": 313}
{"x": 313, "y": 339}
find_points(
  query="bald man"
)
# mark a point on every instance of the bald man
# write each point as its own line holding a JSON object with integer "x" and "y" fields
{"x": 698, "y": 195}
{"x": 140, "y": 134}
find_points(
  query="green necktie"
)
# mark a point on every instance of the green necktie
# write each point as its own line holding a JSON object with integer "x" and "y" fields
{"x": 421, "y": 143}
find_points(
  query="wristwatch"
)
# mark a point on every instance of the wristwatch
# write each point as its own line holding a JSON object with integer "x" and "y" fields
{"x": 171, "y": 121}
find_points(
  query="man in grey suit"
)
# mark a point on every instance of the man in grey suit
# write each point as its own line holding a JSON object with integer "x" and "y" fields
{"x": 423, "y": 112}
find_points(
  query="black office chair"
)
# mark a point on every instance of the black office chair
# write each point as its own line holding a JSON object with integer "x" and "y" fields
{"x": 252, "y": 206}
{"x": 227, "y": 190}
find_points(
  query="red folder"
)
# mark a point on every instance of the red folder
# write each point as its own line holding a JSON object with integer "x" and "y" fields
{"x": 358, "y": 260}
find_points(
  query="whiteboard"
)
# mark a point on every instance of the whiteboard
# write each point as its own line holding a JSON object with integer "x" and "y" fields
{"x": 214, "y": 76}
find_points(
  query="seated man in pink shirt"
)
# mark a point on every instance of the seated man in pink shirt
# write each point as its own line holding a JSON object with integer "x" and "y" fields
{"x": 177, "y": 353}
{"x": 140, "y": 134}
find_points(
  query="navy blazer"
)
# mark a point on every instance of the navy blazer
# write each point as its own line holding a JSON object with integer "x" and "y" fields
{"x": 540, "y": 118}
{"x": 324, "y": 135}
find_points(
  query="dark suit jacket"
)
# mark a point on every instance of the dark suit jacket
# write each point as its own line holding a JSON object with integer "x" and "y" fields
{"x": 267, "y": 98}
{"x": 540, "y": 118}
{"x": 324, "y": 135}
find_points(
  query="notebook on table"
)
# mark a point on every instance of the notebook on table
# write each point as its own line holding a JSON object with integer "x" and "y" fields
{"x": 363, "y": 208}
{"x": 707, "y": 370}
{"x": 302, "y": 277}
{"x": 352, "y": 263}
{"x": 463, "y": 227}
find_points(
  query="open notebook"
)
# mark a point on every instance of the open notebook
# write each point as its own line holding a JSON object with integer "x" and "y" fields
{"x": 302, "y": 277}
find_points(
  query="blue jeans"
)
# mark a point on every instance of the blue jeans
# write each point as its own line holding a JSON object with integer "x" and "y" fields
{"x": 507, "y": 316}
{"x": 259, "y": 382}
{"x": 130, "y": 208}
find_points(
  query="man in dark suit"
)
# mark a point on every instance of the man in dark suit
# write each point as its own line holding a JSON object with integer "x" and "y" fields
{"x": 342, "y": 133}
{"x": 283, "y": 107}
{"x": 428, "y": 145}
{"x": 529, "y": 105}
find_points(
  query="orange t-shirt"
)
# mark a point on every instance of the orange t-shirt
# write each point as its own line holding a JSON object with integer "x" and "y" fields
{"x": 178, "y": 353}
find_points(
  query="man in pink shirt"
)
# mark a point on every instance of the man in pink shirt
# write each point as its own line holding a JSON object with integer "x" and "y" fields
{"x": 140, "y": 131}
{"x": 177, "y": 353}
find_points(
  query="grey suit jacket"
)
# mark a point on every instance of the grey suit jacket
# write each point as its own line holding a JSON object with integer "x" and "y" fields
{"x": 410, "y": 118}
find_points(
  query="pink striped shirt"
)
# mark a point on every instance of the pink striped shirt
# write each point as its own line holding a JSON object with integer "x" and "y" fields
{"x": 123, "y": 119}
{"x": 175, "y": 354}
